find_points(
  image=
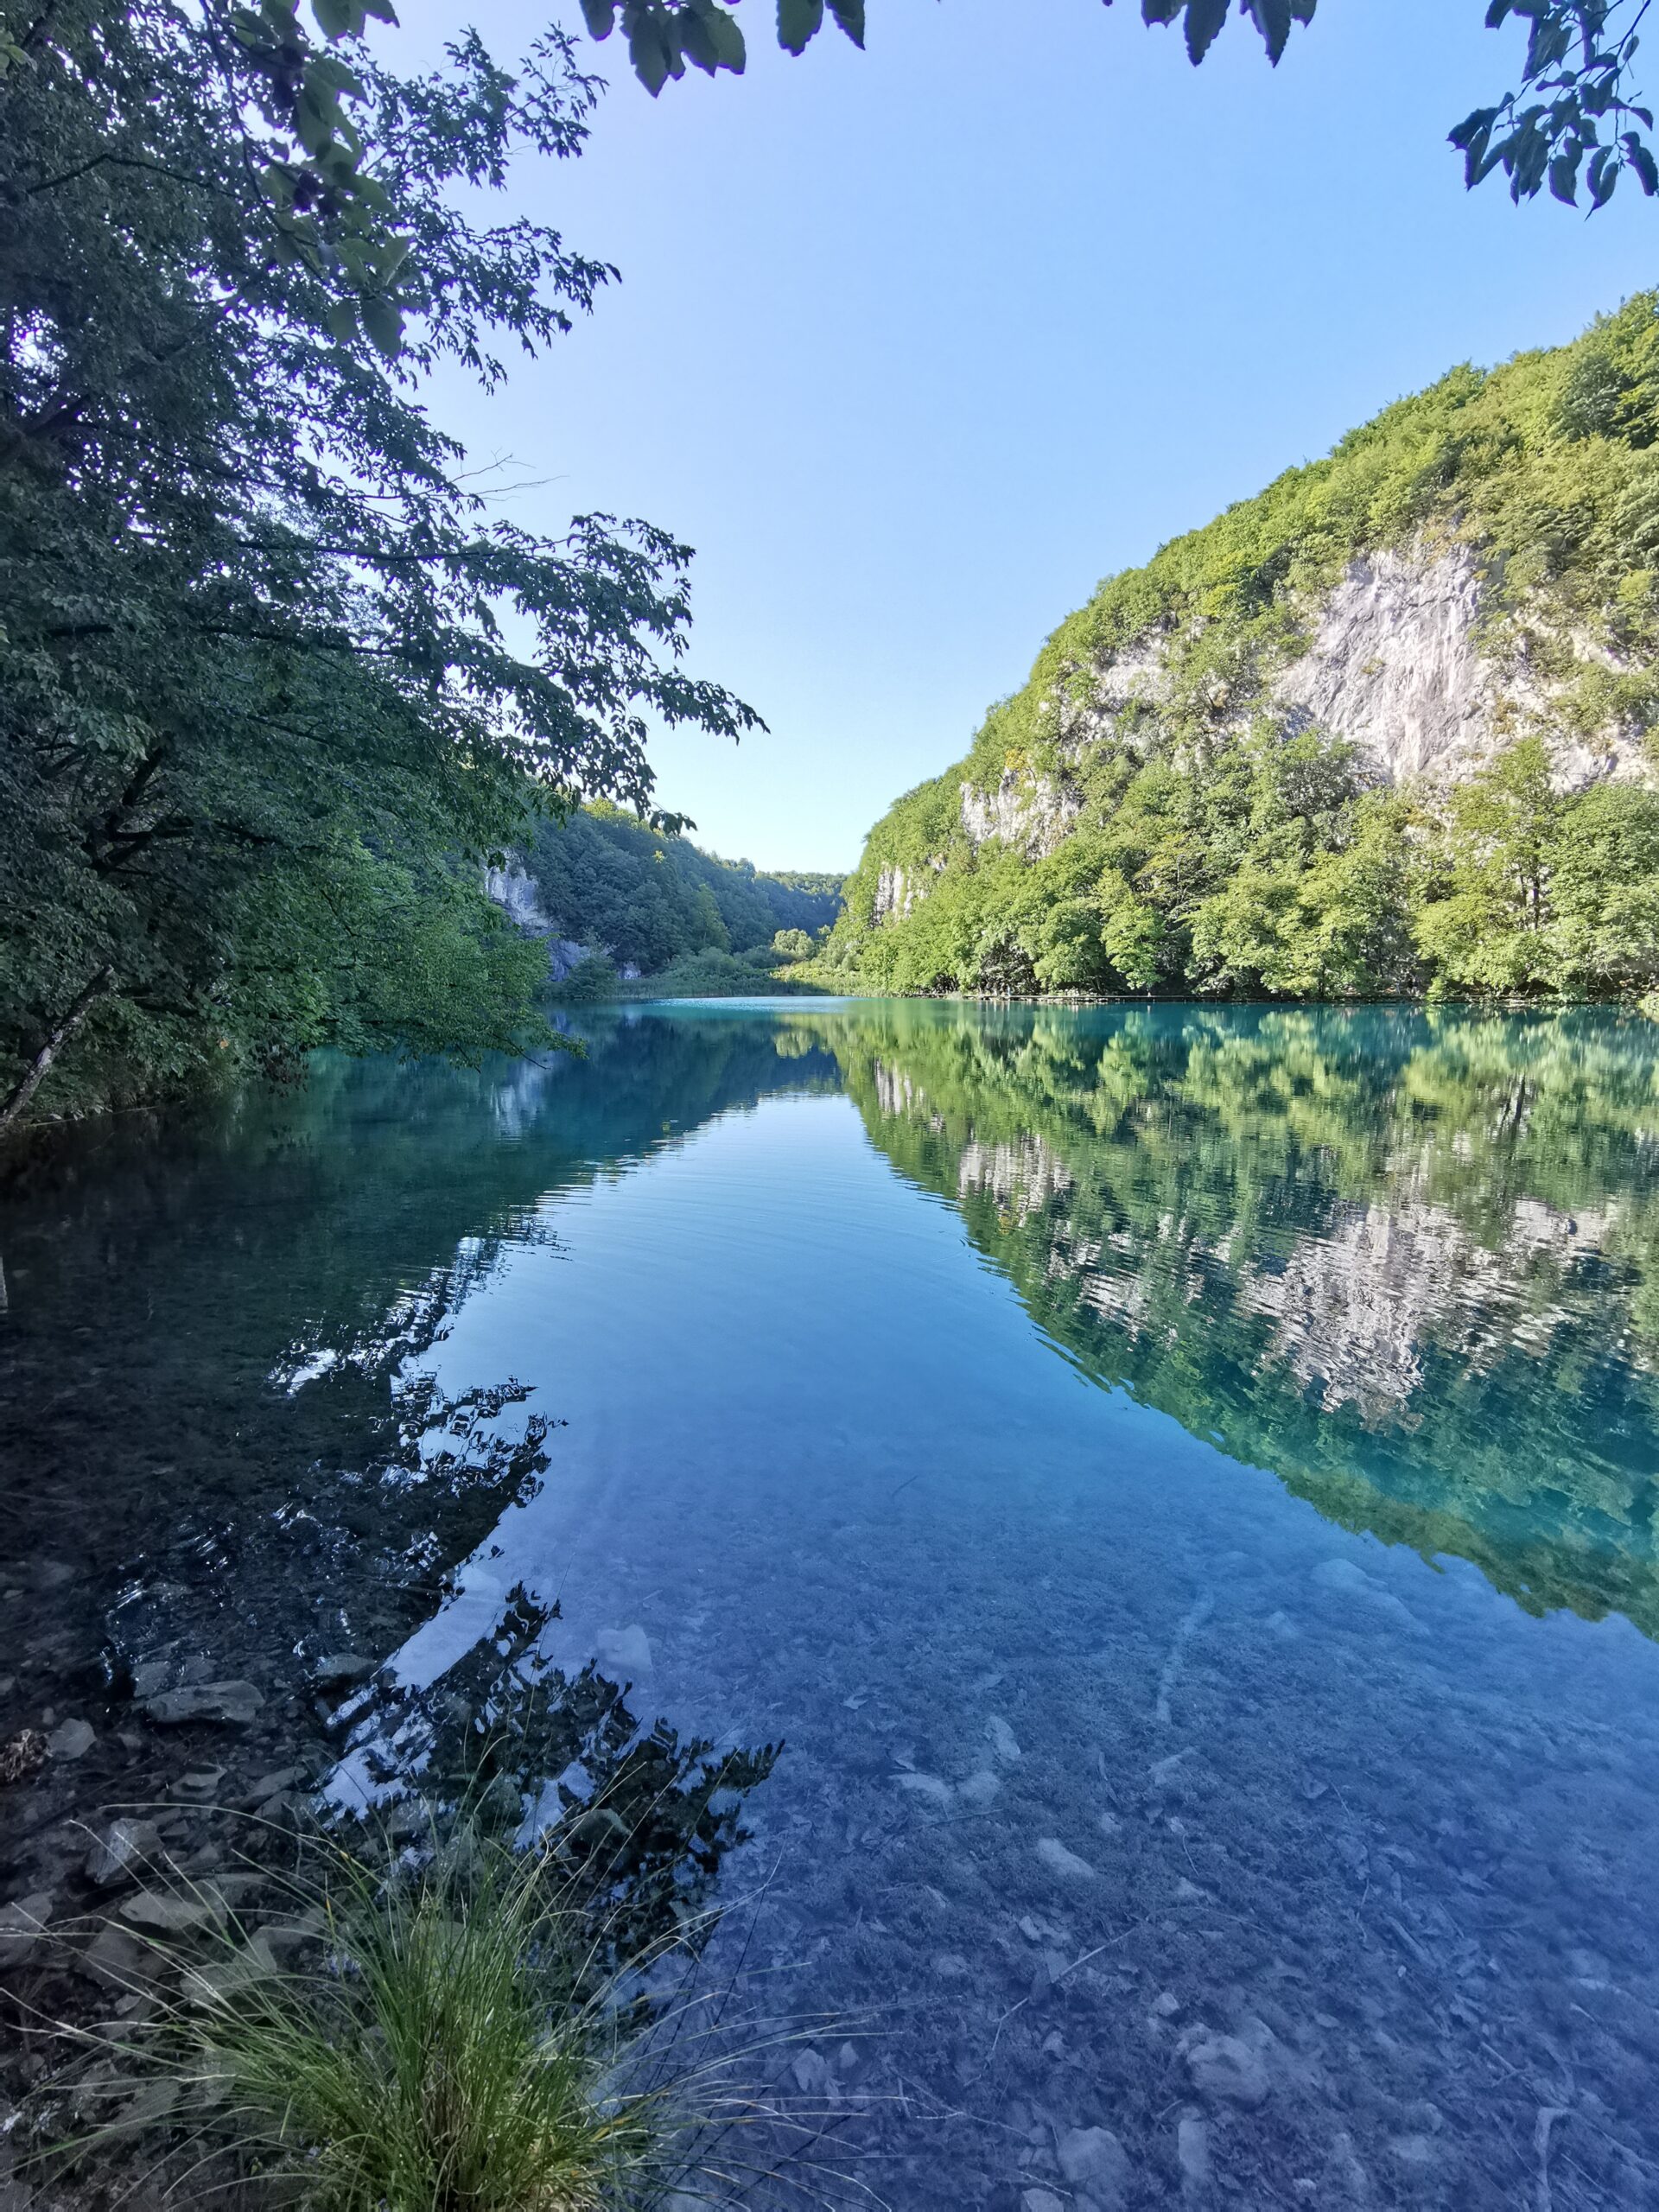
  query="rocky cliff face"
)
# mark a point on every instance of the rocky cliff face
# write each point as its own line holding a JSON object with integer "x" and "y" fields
{"x": 1403, "y": 659}
{"x": 515, "y": 892}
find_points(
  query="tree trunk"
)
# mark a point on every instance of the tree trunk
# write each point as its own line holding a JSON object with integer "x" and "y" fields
{"x": 35, "y": 1074}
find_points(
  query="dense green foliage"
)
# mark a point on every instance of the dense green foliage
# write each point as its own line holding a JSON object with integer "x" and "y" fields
{"x": 1212, "y": 845}
{"x": 262, "y": 707}
{"x": 604, "y": 878}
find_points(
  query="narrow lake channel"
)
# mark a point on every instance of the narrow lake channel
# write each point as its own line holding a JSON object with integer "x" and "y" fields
{"x": 1179, "y": 1482}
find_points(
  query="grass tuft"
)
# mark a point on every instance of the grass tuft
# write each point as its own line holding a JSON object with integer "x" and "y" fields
{"x": 456, "y": 2047}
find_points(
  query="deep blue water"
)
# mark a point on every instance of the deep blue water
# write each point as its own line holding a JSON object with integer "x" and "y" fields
{"x": 1179, "y": 1483}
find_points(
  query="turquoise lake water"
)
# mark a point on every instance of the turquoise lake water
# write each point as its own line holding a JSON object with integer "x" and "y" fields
{"x": 1179, "y": 1482}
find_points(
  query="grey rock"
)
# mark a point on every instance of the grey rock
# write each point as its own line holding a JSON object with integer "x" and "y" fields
{"x": 1066, "y": 1863}
{"x": 268, "y": 1786}
{"x": 149, "y": 1678}
{"x": 1039, "y": 2200}
{"x": 1228, "y": 2070}
{"x": 234, "y": 1704}
{"x": 172, "y": 1912}
{"x": 116, "y": 1959}
{"x": 71, "y": 1739}
{"x": 200, "y": 1782}
{"x": 153, "y": 2102}
{"x": 812, "y": 2075}
{"x": 1345, "y": 1580}
{"x": 342, "y": 1670}
{"x": 21, "y": 1926}
{"x": 1192, "y": 2150}
{"x": 1002, "y": 1739}
{"x": 224, "y": 1980}
{"x": 119, "y": 1854}
{"x": 926, "y": 1786}
{"x": 1415, "y": 2152}
{"x": 979, "y": 1788}
{"x": 1093, "y": 2160}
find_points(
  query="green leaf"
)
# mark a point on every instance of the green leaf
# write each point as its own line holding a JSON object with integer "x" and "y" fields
{"x": 276, "y": 182}
{"x": 649, "y": 55}
{"x": 697, "y": 42}
{"x": 600, "y": 16}
{"x": 727, "y": 36}
{"x": 850, "y": 14}
{"x": 1273, "y": 19}
{"x": 798, "y": 21}
{"x": 342, "y": 320}
{"x": 1564, "y": 174}
{"x": 313, "y": 129}
{"x": 390, "y": 256}
{"x": 1204, "y": 21}
{"x": 336, "y": 18}
{"x": 384, "y": 324}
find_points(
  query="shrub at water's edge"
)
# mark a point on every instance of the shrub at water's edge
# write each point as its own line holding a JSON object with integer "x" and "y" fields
{"x": 1384, "y": 729}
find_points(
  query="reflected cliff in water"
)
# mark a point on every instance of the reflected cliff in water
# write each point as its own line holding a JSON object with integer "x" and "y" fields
{"x": 1407, "y": 1262}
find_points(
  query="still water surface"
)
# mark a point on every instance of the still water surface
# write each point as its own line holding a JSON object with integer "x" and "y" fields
{"x": 1179, "y": 1482}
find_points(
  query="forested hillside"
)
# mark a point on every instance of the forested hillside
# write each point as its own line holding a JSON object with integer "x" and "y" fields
{"x": 1384, "y": 729}
{"x": 602, "y": 878}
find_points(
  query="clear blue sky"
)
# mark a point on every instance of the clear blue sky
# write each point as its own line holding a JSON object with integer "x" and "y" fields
{"x": 914, "y": 346}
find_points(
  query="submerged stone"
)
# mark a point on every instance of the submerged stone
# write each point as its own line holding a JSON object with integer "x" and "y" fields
{"x": 1192, "y": 2151}
{"x": 1228, "y": 2070}
{"x": 1092, "y": 2158}
{"x": 927, "y": 1786}
{"x": 231, "y": 1704}
{"x": 980, "y": 1788}
{"x": 1058, "y": 1861}
{"x": 623, "y": 1654}
{"x": 1002, "y": 1739}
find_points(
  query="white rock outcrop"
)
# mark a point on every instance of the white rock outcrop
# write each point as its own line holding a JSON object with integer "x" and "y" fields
{"x": 1400, "y": 661}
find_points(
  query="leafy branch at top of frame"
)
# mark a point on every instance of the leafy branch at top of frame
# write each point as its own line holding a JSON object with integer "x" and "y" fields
{"x": 1580, "y": 127}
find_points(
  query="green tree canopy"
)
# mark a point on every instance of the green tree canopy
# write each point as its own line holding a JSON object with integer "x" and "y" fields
{"x": 275, "y": 675}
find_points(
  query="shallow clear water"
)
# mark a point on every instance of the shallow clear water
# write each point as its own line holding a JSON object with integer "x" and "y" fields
{"x": 1180, "y": 1482}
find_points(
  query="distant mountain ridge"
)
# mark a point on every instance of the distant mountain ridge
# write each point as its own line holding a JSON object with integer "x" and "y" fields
{"x": 1395, "y": 710}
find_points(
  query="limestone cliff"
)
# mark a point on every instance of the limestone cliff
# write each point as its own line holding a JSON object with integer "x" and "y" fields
{"x": 1477, "y": 568}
